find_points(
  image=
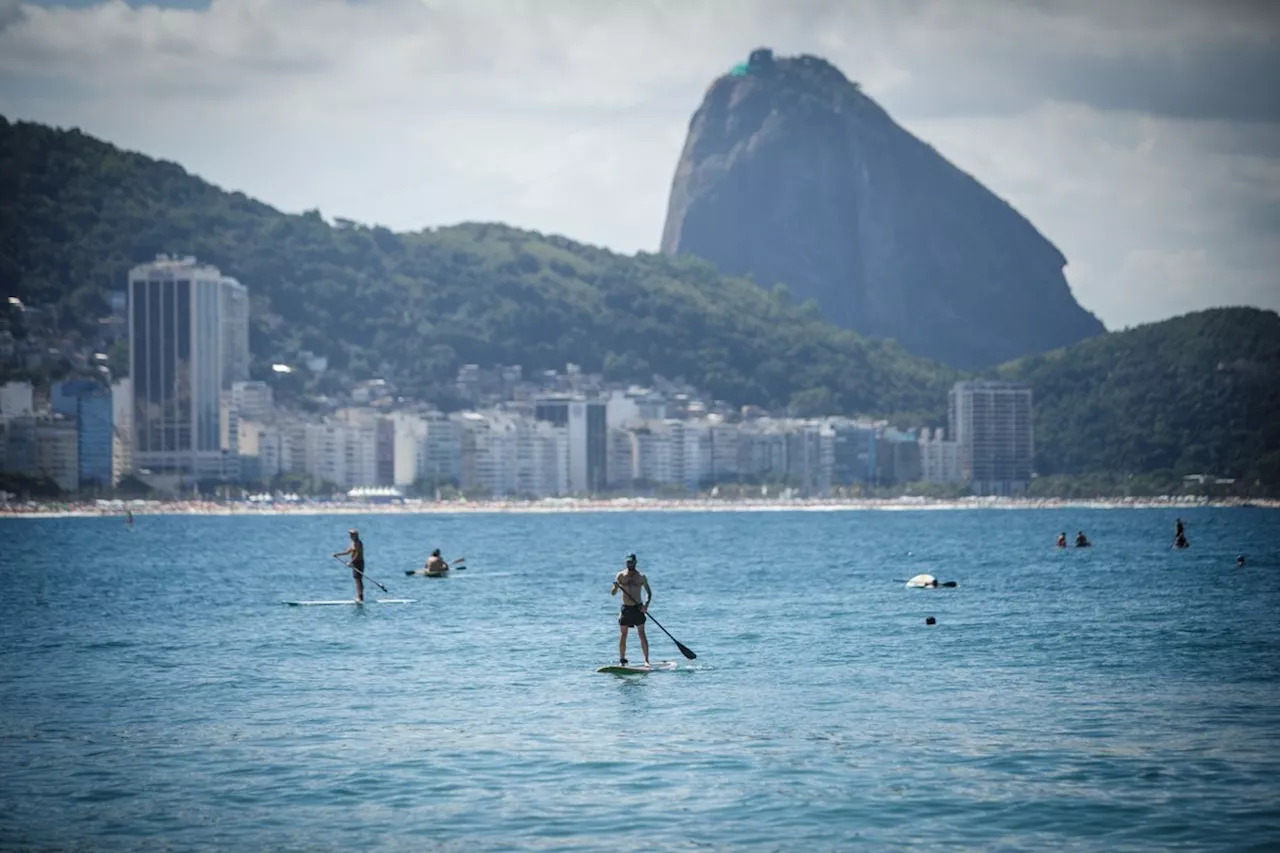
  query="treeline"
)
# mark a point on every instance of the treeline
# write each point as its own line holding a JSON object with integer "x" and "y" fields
{"x": 414, "y": 307}
{"x": 1195, "y": 394}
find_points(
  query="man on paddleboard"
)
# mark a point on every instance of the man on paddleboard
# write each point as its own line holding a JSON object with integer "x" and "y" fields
{"x": 631, "y": 582}
{"x": 356, "y": 550}
{"x": 436, "y": 563}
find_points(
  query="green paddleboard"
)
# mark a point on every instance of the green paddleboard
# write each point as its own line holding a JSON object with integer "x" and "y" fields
{"x": 616, "y": 669}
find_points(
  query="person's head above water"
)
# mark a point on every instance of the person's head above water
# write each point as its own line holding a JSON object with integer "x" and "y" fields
{"x": 1240, "y": 560}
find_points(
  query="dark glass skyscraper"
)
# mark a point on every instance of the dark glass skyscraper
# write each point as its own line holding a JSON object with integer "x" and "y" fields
{"x": 188, "y": 341}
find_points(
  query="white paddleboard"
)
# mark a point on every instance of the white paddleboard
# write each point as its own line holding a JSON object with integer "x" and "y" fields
{"x": 921, "y": 581}
{"x": 617, "y": 669}
{"x": 350, "y": 601}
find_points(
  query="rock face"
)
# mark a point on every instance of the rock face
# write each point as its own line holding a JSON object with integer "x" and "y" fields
{"x": 790, "y": 174}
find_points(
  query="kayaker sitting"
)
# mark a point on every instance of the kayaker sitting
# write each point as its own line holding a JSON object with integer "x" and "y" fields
{"x": 436, "y": 563}
{"x": 1081, "y": 541}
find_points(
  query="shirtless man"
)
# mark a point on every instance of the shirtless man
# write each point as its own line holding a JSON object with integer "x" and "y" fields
{"x": 356, "y": 550}
{"x": 631, "y": 582}
{"x": 436, "y": 563}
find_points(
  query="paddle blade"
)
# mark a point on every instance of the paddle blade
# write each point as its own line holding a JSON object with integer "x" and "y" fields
{"x": 685, "y": 650}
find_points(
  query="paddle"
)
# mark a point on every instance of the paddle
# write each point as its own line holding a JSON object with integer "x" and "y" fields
{"x": 940, "y": 583}
{"x": 684, "y": 650}
{"x": 362, "y": 574}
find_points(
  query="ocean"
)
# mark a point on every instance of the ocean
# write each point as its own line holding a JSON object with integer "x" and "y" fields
{"x": 159, "y": 695}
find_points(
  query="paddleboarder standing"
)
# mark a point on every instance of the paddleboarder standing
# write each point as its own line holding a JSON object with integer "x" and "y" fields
{"x": 1180, "y": 535}
{"x": 631, "y": 582}
{"x": 356, "y": 551}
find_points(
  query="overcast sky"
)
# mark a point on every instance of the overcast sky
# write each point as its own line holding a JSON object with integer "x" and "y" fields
{"x": 1141, "y": 136}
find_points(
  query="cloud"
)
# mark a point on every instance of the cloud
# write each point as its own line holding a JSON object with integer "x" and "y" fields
{"x": 1142, "y": 127}
{"x": 1157, "y": 216}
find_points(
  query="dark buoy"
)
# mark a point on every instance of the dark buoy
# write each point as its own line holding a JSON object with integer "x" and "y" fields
{"x": 929, "y": 620}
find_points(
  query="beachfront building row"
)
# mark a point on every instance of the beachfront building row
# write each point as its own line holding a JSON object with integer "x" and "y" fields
{"x": 538, "y": 451}
{"x": 544, "y": 447}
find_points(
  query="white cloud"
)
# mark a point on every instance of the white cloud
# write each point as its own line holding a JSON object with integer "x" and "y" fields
{"x": 569, "y": 116}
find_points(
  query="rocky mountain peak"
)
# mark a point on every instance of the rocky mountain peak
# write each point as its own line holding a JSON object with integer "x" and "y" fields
{"x": 791, "y": 174}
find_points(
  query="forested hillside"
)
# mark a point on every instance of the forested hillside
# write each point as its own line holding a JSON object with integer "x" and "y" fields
{"x": 1199, "y": 393}
{"x": 78, "y": 213}
{"x": 1194, "y": 394}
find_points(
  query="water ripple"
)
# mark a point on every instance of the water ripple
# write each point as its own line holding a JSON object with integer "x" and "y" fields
{"x": 1062, "y": 701}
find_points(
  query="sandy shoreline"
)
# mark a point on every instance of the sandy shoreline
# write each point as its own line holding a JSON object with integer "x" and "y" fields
{"x": 410, "y": 507}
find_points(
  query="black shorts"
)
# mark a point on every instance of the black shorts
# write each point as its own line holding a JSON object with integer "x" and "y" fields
{"x": 631, "y": 616}
{"x": 357, "y": 570}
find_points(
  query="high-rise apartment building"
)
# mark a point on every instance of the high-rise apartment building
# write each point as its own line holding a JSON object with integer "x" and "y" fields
{"x": 991, "y": 423}
{"x": 87, "y": 403}
{"x": 587, "y": 423}
{"x": 188, "y": 342}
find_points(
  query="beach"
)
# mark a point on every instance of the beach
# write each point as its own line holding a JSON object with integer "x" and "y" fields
{"x": 410, "y": 506}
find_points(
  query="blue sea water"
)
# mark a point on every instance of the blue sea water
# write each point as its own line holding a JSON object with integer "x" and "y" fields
{"x": 157, "y": 693}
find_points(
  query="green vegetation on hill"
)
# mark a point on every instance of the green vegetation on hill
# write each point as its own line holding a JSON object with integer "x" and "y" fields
{"x": 78, "y": 213}
{"x": 1198, "y": 393}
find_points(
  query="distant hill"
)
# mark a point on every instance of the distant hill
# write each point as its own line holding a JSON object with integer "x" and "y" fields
{"x": 77, "y": 213}
{"x": 791, "y": 174}
{"x": 1195, "y": 394}
{"x": 1191, "y": 394}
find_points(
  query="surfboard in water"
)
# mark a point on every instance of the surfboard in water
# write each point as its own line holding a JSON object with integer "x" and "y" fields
{"x": 921, "y": 580}
{"x": 617, "y": 669}
{"x": 350, "y": 601}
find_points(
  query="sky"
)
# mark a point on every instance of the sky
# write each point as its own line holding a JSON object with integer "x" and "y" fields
{"x": 1141, "y": 137}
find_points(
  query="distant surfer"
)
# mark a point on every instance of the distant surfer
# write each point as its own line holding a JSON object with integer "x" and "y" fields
{"x": 436, "y": 563}
{"x": 128, "y": 518}
{"x": 1081, "y": 541}
{"x": 356, "y": 551}
{"x": 1180, "y": 535}
{"x": 631, "y": 582}
{"x": 1062, "y": 539}
{"x": 1240, "y": 560}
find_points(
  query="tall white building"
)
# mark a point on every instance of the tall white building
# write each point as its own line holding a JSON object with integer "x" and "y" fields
{"x": 264, "y": 451}
{"x": 254, "y": 400}
{"x": 991, "y": 423}
{"x": 442, "y": 449}
{"x": 17, "y": 400}
{"x": 587, "y": 423}
{"x": 487, "y": 453}
{"x": 410, "y": 439}
{"x": 122, "y": 433}
{"x": 621, "y": 459}
{"x": 939, "y": 458}
{"x": 325, "y": 452}
{"x": 188, "y": 342}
